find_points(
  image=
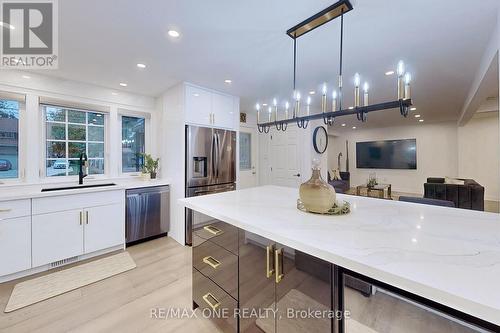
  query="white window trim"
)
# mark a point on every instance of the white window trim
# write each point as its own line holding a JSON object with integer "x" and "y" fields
{"x": 147, "y": 138}
{"x": 21, "y": 146}
{"x": 62, "y": 179}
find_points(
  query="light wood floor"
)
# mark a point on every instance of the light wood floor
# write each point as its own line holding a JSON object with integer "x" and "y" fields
{"x": 163, "y": 279}
{"x": 121, "y": 303}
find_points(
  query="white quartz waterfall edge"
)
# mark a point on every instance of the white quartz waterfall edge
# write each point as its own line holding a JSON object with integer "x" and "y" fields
{"x": 54, "y": 284}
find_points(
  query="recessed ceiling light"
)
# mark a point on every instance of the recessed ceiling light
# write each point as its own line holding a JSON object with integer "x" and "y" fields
{"x": 123, "y": 84}
{"x": 351, "y": 107}
{"x": 413, "y": 109}
{"x": 417, "y": 116}
{"x": 173, "y": 33}
{"x": 389, "y": 73}
{"x": 114, "y": 93}
{"x": 228, "y": 81}
{"x": 6, "y": 25}
{"x": 343, "y": 125}
{"x": 141, "y": 65}
{"x": 312, "y": 92}
{"x": 354, "y": 127}
{"x": 414, "y": 240}
{"x": 196, "y": 95}
{"x": 264, "y": 104}
{"x": 26, "y": 77}
{"x": 421, "y": 120}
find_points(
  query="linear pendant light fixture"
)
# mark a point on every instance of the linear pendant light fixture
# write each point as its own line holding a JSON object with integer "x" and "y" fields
{"x": 403, "y": 102}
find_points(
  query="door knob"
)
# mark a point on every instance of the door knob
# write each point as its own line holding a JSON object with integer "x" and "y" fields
{"x": 297, "y": 175}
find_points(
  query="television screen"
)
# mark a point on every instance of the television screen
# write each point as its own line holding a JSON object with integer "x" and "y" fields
{"x": 390, "y": 154}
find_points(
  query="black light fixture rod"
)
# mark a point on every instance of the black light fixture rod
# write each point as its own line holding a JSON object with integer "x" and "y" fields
{"x": 359, "y": 110}
{"x": 341, "y": 57}
{"x": 294, "y": 63}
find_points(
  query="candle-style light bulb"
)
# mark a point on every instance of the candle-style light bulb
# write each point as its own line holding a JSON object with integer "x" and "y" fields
{"x": 401, "y": 68}
{"x": 296, "y": 111}
{"x": 257, "y": 106}
{"x": 357, "y": 81}
{"x": 323, "y": 99}
{"x": 275, "y": 104}
{"x": 308, "y": 105}
{"x": 287, "y": 106}
{"x": 365, "y": 89}
{"x": 401, "y": 72}
{"x": 334, "y": 100}
{"x": 407, "y": 86}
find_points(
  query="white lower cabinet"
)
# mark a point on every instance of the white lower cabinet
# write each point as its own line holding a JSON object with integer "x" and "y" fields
{"x": 66, "y": 227}
{"x": 15, "y": 245}
{"x": 57, "y": 236}
{"x": 104, "y": 227}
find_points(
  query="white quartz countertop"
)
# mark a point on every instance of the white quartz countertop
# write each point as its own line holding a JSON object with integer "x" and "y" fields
{"x": 448, "y": 255}
{"x": 16, "y": 192}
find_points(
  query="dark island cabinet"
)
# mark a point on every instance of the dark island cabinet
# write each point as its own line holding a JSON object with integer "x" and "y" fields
{"x": 252, "y": 284}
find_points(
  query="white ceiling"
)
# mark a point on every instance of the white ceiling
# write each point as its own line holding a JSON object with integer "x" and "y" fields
{"x": 441, "y": 41}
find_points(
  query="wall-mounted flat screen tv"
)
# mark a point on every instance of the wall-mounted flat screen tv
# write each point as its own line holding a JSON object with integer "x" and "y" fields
{"x": 390, "y": 154}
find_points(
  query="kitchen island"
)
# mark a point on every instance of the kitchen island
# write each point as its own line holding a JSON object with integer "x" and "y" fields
{"x": 445, "y": 260}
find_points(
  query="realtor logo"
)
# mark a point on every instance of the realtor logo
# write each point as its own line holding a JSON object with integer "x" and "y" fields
{"x": 29, "y": 34}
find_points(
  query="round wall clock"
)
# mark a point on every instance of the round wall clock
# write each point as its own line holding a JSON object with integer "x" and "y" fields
{"x": 320, "y": 139}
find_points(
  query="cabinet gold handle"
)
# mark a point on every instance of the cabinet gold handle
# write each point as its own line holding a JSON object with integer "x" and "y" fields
{"x": 212, "y": 262}
{"x": 211, "y": 301}
{"x": 269, "y": 261}
{"x": 5, "y": 210}
{"x": 81, "y": 218}
{"x": 86, "y": 217}
{"x": 278, "y": 259}
{"x": 213, "y": 230}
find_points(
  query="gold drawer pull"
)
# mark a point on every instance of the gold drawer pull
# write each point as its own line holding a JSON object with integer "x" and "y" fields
{"x": 5, "y": 210}
{"x": 211, "y": 301}
{"x": 213, "y": 230}
{"x": 269, "y": 261}
{"x": 212, "y": 262}
{"x": 278, "y": 259}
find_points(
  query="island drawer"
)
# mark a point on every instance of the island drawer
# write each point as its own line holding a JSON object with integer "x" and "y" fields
{"x": 211, "y": 299}
{"x": 216, "y": 263}
{"x": 220, "y": 233}
{"x": 15, "y": 208}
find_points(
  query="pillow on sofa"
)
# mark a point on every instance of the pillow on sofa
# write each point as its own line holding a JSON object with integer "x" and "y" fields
{"x": 334, "y": 174}
{"x": 454, "y": 181}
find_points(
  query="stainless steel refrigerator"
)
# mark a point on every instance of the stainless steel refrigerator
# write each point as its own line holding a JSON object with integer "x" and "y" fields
{"x": 210, "y": 166}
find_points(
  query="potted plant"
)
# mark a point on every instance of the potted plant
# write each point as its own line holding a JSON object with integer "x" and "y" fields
{"x": 150, "y": 165}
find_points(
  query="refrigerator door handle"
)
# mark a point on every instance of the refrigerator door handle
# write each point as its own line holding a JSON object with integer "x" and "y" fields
{"x": 213, "y": 156}
{"x": 218, "y": 154}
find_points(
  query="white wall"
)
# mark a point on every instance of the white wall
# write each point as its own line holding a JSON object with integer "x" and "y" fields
{"x": 436, "y": 154}
{"x": 479, "y": 154}
{"x": 172, "y": 142}
{"x": 35, "y": 87}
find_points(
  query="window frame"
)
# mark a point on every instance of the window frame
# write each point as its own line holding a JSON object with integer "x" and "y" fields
{"x": 21, "y": 140}
{"x": 147, "y": 138}
{"x": 43, "y": 130}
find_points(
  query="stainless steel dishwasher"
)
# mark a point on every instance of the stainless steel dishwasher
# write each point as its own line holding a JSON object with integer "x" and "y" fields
{"x": 148, "y": 213}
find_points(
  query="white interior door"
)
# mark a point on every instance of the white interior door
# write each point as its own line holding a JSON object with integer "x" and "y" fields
{"x": 284, "y": 156}
{"x": 248, "y": 157}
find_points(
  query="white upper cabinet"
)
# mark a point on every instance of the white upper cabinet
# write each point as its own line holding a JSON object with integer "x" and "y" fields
{"x": 198, "y": 106}
{"x": 223, "y": 111}
{"x": 209, "y": 108}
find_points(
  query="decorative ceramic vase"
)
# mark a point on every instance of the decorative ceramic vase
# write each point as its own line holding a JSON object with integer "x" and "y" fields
{"x": 316, "y": 195}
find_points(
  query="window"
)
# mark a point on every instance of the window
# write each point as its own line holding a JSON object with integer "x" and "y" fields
{"x": 245, "y": 151}
{"x": 9, "y": 138}
{"x": 133, "y": 144}
{"x": 69, "y": 133}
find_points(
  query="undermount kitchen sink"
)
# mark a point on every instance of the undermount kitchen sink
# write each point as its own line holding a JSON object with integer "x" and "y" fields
{"x": 74, "y": 187}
